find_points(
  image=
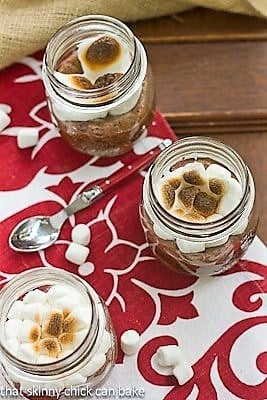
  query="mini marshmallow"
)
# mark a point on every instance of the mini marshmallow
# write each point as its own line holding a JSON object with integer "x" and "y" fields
{"x": 49, "y": 347}
{"x": 78, "y": 319}
{"x": 34, "y": 312}
{"x": 13, "y": 346}
{"x": 217, "y": 171}
{"x": 28, "y": 352}
{"x": 16, "y": 310}
{"x": 70, "y": 341}
{"x": 168, "y": 356}
{"x": 183, "y": 372}
{"x": 75, "y": 380}
{"x": 27, "y": 137}
{"x": 12, "y": 328}
{"x": 232, "y": 197}
{"x": 29, "y": 332}
{"x": 4, "y": 120}
{"x": 68, "y": 303}
{"x": 56, "y": 292}
{"x": 76, "y": 253}
{"x": 35, "y": 296}
{"x": 6, "y": 108}
{"x": 46, "y": 359}
{"x": 194, "y": 173}
{"x": 130, "y": 342}
{"x": 94, "y": 365}
{"x": 105, "y": 343}
{"x": 187, "y": 247}
{"x": 216, "y": 243}
{"x": 81, "y": 234}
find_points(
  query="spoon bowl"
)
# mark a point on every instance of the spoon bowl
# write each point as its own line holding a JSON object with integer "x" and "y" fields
{"x": 33, "y": 234}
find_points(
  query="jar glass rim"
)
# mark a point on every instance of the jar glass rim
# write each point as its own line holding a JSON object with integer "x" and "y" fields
{"x": 32, "y": 279}
{"x": 100, "y": 96}
{"x": 191, "y": 229}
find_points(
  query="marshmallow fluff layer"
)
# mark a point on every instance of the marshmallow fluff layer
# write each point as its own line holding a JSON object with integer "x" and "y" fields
{"x": 197, "y": 194}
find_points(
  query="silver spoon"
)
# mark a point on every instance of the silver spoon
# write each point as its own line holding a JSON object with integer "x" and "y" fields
{"x": 38, "y": 233}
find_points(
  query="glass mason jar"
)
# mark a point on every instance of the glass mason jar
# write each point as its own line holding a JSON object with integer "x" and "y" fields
{"x": 84, "y": 368}
{"x": 215, "y": 246}
{"x": 103, "y": 121}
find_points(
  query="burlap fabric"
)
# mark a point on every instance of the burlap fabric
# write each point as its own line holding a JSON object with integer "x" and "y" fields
{"x": 26, "y": 25}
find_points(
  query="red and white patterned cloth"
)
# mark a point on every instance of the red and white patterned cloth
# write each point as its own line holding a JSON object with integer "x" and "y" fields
{"x": 220, "y": 322}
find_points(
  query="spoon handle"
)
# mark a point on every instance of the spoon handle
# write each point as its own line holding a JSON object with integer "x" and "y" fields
{"x": 88, "y": 197}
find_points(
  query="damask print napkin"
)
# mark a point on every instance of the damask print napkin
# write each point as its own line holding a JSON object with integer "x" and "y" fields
{"x": 219, "y": 322}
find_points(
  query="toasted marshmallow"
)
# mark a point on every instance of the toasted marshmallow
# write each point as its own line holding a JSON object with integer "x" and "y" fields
{"x": 29, "y": 331}
{"x": 168, "y": 356}
{"x": 28, "y": 352}
{"x": 68, "y": 303}
{"x": 46, "y": 359}
{"x": 16, "y": 310}
{"x": 195, "y": 174}
{"x": 186, "y": 246}
{"x": 78, "y": 319}
{"x": 217, "y": 171}
{"x": 34, "y": 312}
{"x": 52, "y": 323}
{"x": 49, "y": 347}
{"x": 35, "y": 296}
{"x": 4, "y": 120}
{"x": 103, "y": 54}
{"x": 70, "y": 341}
{"x": 79, "y": 82}
{"x": 27, "y": 137}
{"x": 130, "y": 341}
{"x": 94, "y": 365}
{"x": 81, "y": 234}
{"x": 76, "y": 253}
{"x": 105, "y": 343}
{"x": 183, "y": 372}
{"x": 12, "y": 328}
{"x": 232, "y": 197}
{"x": 75, "y": 380}
{"x": 13, "y": 346}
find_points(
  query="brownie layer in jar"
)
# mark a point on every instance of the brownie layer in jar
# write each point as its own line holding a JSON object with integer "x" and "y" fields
{"x": 114, "y": 134}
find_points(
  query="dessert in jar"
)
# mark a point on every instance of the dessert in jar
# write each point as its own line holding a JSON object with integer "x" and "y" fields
{"x": 99, "y": 85}
{"x": 198, "y": 210}
{"x": 55, "y": 335}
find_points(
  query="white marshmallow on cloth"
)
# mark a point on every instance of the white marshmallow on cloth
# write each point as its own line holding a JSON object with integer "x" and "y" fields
{"x": 12, "y": 328}
{"x": 168, "y": 356}
{"x": 81, "y": 234}
{"x": 28, "y": 352}
{"x": 35, "y": 296}
{"x": 77, "y": 253}
{"x": 187, "y": 247}
{"x": 183, "y": 372}
{"x": 130, "y": 341}
{"x": 94, "y": 365}
{"x": 4, "y": 120}
{"x": 34, "y": 312}
{"x": 16, "y": 310}
{"x": 27, "y": 137}
{"x": 13, "y": 346}
{"x": 29, "y": 331}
